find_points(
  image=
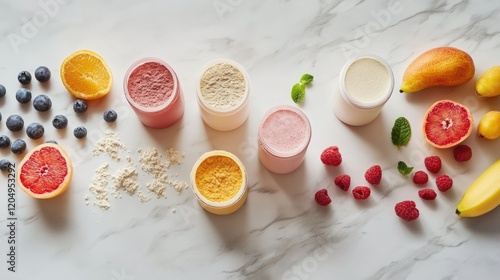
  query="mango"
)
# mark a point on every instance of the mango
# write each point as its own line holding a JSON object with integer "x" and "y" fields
{"x": 443, "y": 66}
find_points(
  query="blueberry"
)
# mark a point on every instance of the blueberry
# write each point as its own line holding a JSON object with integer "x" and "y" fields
{"x": 4, "y": 164}
{"x": 24, "y": 77}
{"x": 42, "y": 103}
{"x": 51, "y": 141}
{"x": 80, "y": 106}
{"x": 42, "y": 74}
{"x": 80, "y": 132}
{"x": 14, "y": 123}
{"x": 4, "y": 141}
{"x": 3, "y": 91}
{"x": 110, "y": 116}
{"x": 23, "y": 95}
{"x": 18, "y": 146}
{"x": 60, "y": 122}
{"x": 35, "y": 130}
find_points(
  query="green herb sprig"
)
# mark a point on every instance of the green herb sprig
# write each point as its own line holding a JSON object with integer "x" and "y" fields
{"x": 401, "y": 132}
{"x": 404, "y": 169}
{"x": 299, "y": 89}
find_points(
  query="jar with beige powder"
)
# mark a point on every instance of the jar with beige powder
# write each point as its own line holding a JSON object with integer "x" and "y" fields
{"x": 223, "y": 88}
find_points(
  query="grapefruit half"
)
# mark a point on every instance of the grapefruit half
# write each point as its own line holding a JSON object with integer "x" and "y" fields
{"x": 447, "y": 123}
{"x": 45, "y": 172}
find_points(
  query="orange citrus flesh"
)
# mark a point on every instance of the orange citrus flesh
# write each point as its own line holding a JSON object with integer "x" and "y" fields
{"x": 86, "y": 76}
{"x": 45, "y": 172}
{"x": 447, "y": 123}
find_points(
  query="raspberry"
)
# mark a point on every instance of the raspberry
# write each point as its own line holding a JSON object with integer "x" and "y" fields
{"x": 361, "y": 192}
{"x": 427, "y": 194}
{"x": 373, "y": 175}
{"x": 322, "y": 197}
{"x": 444, "y": 182}
{"x": 462, "y": 153}
{"x": 331, "y": 156}
{"x": 343, "y": 182}
{"x": 433, "y": 164}
{"x": 420, "y": 177}
{"x": 407, "y": 210}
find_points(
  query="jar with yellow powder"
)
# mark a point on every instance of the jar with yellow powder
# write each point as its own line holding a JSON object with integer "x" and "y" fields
{"x": 219, "y": 181}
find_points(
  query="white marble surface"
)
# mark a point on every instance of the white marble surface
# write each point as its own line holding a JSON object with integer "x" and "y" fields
{"x": 280, "y": 233}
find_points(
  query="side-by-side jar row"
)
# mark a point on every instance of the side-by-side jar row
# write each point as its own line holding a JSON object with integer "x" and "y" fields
{"x": 218, "y": 178}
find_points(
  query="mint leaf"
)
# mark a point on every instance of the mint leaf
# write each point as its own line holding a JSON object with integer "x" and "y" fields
{"x": 404, "y": 169}
{"x": 298, "y": 92}
{"x": 401, "y": 132}
{"x": 306, "y": 79}
{"x": 299, "y": 89}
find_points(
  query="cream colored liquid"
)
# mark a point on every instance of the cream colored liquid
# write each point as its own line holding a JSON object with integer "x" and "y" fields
{"x": 367, "y": 80}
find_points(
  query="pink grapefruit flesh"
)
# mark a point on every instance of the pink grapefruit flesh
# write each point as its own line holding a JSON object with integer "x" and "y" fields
{"x": 45, "y": 172}
{"x": 447, "y": 123}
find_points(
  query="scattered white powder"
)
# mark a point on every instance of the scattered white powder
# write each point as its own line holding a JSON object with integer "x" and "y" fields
{"x": 152, "y": 162}
{"x": 99, "y": 186}
{"x": 174, "y": 156}
{"x": 109, "y": 145}
{"x": 222, "y": 85}
{"x": 157, "y": 187}
{"x": 142, "y": 197}
{"x": 125, "y": 179}
{"x": 178, "y": 185}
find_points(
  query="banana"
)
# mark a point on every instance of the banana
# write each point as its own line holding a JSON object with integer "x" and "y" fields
{"x": 483, "y": 195}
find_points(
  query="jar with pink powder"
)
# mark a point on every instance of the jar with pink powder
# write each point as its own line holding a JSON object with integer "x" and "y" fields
{"x": 153, "y": 91}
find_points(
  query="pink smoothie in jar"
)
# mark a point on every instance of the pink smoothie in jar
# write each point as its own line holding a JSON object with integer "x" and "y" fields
{"x": 284, "y": 136}
{"x": 153, "y": 91}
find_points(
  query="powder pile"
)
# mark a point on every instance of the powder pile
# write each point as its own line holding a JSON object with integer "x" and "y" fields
{"x": 150, "y": 84}
{"x": 222, "y": 86}
{"x": 174, "y": 156}
{"x": 219, "y": 178}
{"x": 99, "y": 187}
{"x": 125, "y": 178}
{"x": 152, "y": 162}
{"x": 110, "y": 144}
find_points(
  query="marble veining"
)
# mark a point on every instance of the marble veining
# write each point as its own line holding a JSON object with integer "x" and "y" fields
{"x": 280, "y": 232}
